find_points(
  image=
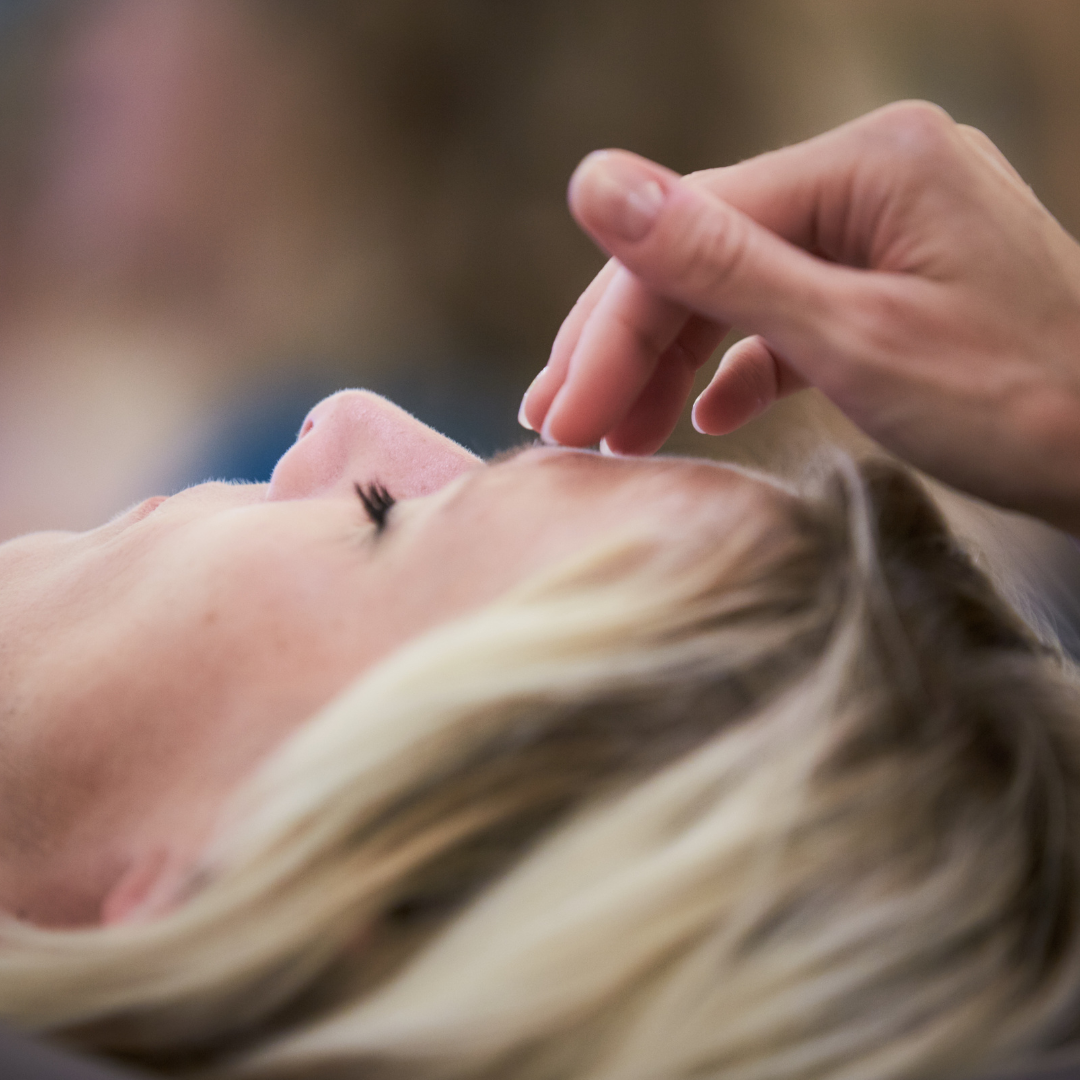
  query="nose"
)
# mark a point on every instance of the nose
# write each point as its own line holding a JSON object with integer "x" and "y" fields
{"x": 357, "y": 437}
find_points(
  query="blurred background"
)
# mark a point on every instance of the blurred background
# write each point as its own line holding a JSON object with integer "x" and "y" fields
{"x": 212, "y": 212}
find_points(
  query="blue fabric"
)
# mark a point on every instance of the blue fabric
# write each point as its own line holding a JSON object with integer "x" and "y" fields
{"x": 471, "y": 404}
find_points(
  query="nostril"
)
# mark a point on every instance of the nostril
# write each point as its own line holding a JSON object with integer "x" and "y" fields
{"x": 308, "y": 425}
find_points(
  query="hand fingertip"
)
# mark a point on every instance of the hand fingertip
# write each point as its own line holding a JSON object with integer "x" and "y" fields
{"x": 695, "y": 414}
{"x": 523, "y": 410}
{"x": 545, "y": 432}
{"x": 618, "y": 194}
{"x": 706, "y": 425}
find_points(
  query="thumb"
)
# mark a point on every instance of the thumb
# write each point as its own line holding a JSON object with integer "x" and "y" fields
{"x": 690, "y": 246}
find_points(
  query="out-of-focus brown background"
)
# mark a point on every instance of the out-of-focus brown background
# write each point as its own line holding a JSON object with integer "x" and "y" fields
{"x": 214, "y": 211}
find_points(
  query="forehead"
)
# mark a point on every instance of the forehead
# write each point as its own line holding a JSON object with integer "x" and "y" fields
{"x": 585, "y": 469}
{"x": 581, "y": 494}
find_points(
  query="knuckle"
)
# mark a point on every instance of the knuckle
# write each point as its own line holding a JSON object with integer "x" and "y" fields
{"x": 879, "y": 325}
{"x": 916, "y": 131}
{"x": 715, "y": 253}
{"x": 754, "y": 373}
{"x": 975, "y": 133}
{"x": 682, "y": 355}
{"x": 649, "y": 340}
{"x": 698, "y": 341}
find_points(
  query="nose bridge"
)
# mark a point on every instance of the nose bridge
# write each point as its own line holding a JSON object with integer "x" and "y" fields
{"x": 359, "y": 437}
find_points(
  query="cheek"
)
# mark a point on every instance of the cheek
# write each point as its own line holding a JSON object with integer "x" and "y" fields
{"x": 170, "y": 683}
{"x": 278, "y": 630}
{"x": 205, "y": 673}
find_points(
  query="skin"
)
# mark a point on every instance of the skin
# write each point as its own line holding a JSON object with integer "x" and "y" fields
{"x": 898, "y": 263}
{"x": 148, "y": 666}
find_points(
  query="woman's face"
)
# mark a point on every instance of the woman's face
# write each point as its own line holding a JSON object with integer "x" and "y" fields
{"x": 148, "y": 665}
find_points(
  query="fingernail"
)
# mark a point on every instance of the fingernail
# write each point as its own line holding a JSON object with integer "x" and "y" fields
{"x": 545, "y": 432}
{"x": 617, "y": 194}
{"x": 694, "y": 418}
{"x": 523, "y": 420}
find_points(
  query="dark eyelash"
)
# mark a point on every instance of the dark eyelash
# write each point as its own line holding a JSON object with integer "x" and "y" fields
{"x": 377, "y": 502}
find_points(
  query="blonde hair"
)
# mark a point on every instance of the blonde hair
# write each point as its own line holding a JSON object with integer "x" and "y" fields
{"x": 800, "y": 800}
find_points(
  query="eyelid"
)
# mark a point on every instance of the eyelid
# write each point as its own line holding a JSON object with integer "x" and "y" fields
{"x": 377, "y": 502}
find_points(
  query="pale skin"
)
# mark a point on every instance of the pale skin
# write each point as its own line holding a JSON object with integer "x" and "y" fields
{"x": 898, "y": 263}
{"x": 148, "y": 666}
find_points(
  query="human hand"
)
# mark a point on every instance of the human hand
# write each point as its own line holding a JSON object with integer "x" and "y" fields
{"x": 898, "y": 263}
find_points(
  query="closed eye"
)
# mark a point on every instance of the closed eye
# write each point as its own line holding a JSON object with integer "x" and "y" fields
{"x": 377, "y": 502}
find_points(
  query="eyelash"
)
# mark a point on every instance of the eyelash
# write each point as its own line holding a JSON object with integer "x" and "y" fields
{"x": 377, "y": 502}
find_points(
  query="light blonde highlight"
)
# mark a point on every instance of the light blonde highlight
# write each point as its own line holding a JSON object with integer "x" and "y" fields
{"x": 798, "y": 801}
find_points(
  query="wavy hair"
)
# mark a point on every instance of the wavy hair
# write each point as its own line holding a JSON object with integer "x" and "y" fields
{"x": 799, "y": 800}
